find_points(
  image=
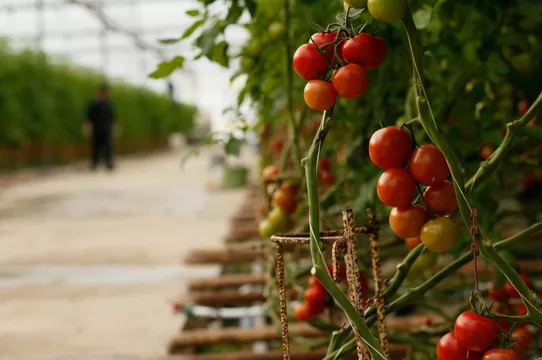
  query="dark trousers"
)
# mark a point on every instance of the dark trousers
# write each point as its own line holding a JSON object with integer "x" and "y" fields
{"x": 101, "y": 148}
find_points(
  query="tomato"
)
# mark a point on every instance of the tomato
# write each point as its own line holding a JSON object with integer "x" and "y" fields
{"x": 390, "y": 147}
{"x": 327, "y": 178}
{"x": 387, "y": 10}
{"x": 396, "y": 187}
{"x": 350, "y": 81}
{"x": 278, "y": 219}
{"x": 324, "y": 164}
{"x": 448, "y": 348}
{"x": 342, "y": 271}
{"x": 523, "y": 63}
{"x": 523, "y": 106}
{"x": 501, "y": 308}
{"x": 512, "y": 292}
{"x": 357, "y": 4}
{"x": 303, "y": 312}
{"x": 366, "y": 50}
{"x": 425, "y": 261}
{"x": 521, "y": 309}
{"x": 277, "y": 145}
{"x": 276, "y": 30}
{"x": 266, "y": 229}
{"x": 497, "y": 293}
{"x": 440, "y": 198}
{"x": 253, "y": 48}
{"x": 270, "y": 172}
{"x": 501, "y": 354}
{"x": 440, "y": 234}
{"x": 247, "y": 64}
{"x": 316, "y": 298}
{"x": 530, "y": 179}
{"x": 522, "y": 339}
{"x": 321, "y": 38}
{"x": 486, "y": 152}
{"x": 407, "y": 221}
{"x": 411, "y": 243}
{"x": 319, "y": 95}
{"x": 290, "y": 186}
{"x": 364, "y": 287}
{"x": 428, "y": 165}
{"x": 285, "y": 201}
{"x": 475, "y": 332}
{"x": 309, "y": 62}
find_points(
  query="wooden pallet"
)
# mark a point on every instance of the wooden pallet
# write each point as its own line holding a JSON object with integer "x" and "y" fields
{"x": 227, "y": 281}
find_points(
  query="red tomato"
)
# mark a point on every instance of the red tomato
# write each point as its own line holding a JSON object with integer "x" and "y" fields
{"x": 407, "y": 221}
{"x": 270, "y": 172}
{"x": 309, "y": 63}
{"x": 277, "y": 145}
{"x": 350, "y": 81}
{"x": 428, "y": 165}
{"x": 530, "y": 179}
{"x": 291, "y": 187}
{"x": 303, "y": 312}
{"x": 475, "y": 332}
{"x": 366, "y": 50}
{"x": 411, "y": 243}
{"x": 316, "y": 298}
{"x": 523, "y": 106}
{"x": 322, "y": 38}
{"x": 522, "y": 339}
{"x": 486, "y": 152}
{"x": 501, "y": 354}
{"x": 500, "y": 308}
{"x": 319, "y": 95}
{"x": 327, "y": 177}
{"x": 342, "y": 271}
{"x": 396, "y": 187}
{"x": 497, "y": 293}
{"x": 448, "y": 348}
{"x": 440, "y": 198}
{"x": 284, "y": 200}
{"x": 325, "y": 164}
{"x": 512, "y": 292}
{"x": 314, "y": 282}
{"x": 390, "y": 147}
{"x": 364, "y": 287}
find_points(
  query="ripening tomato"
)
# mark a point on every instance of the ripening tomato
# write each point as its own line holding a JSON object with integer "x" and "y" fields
{"x": 522, "y": 339}
{"x": 316, "y": 298}
{"x": 366, "y": 50}
{"x": 277, "y": 145}
{"x": 319, "y": 95}
{"x": 290, "y": 186}
{"x": 512, "y": 292}
{"x": 266, "y": 229}
{"x": 523, "y": 106}
{"x": 486, "y": 152}
{"x": 411, "y": 243}
{"x": 439, "y": 235}
{"x": 396, "y": 187}
{"x": 407, "y": 221}
{"x": 386, "y": 10}
{"x": 501, "y": 354}
{"x": 357, "y": 4}
{"x": 448, "y": 348}
{"x": 475, "y": 332}
{"x": 309, "y": 62}
{"x": 324, "y": 164}
{"x": 350, "y": 81}
{"x": 285, "y": 201}
{"x": 390, "y": 147}
{"x": 303, "y": 312}
{"x": 428, "y": 165}
{"x": 276, "y": 30}
{"x": 497, "y": 293}
{"x": 327, "y": 178}
{"x": 321, "y": 38}
{"x": 270, "y": 172}
{"x": 440, "y": 198}
{"x": 278, "y": 219}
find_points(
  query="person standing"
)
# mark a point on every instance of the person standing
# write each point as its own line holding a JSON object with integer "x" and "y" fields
{"x": 100, "y": 118}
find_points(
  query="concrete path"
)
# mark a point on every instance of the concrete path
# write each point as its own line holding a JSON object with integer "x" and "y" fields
{"x": 89, "y": 262}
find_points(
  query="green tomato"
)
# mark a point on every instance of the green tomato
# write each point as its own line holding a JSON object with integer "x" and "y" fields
{"x": 505, "y": 90}
{"x": 387, "y": 10}
{"x": 358, "y": 4}
{"x": 506, "y": 105}
{"x": 278, "y": 219}
{"x": 301, "y": 211}
{"x": 425, "y": 261}
{"x": 439, "y": 235}
{"x": 276, "y": 30}
{"x": 266, "y": 229}
{"x": 253, "y": 48}
{"x": 523, "y": 63}
{"x": 247, "y": 64}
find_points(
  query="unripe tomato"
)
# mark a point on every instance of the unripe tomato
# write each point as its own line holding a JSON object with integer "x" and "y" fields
{"x": 266, "y": 229}
{"x": 390, "y": 147}
{"x": 396, "y": 187}
{"x": 428, "y": 165}
{"x": 350, "y": 81}
{"x": 425, "y": 261}
{"x": 285, "y": 201}
{"x": 309, "y": 63}
{"x": 247, "y": 64}
{"x": 387, "y": 10}
{"x": 357, "y": 4}
{"x": 475, "y": 332}
{"x": 270, "y": 172}
{"x": 511, "y": 290}
{"x": 319, "y": 95}
{"x": 407, "y": 221}
{"x": 316, "y": 297}
{"x": 366, "y": 50}
{"x": 303, "y": 312}
{"x": 411, "y": 243}
{"x": 501, "y": 354}
{"x": 523, "y": 63}
{"x": 439, "y": 235}
{"x": 448, "y": 349}
{"x": 276, "y": 30}
{"x": 278, "y": 219}
{"x": 254, "y": 47}
{"x": 441, "y": 199}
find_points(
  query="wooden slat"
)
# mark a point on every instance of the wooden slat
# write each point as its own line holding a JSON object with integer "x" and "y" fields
{"x": 222, "y": 298}
{"x": 231, "y": 254}
{"x": 227, "y": 281}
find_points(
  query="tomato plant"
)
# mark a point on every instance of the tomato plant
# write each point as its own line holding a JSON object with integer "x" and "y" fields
{"x": 390, "y": 147}
{"x": 440, "y": 234}
{"x": 396, "y": 187}
{"x": 475, "y": 332}
{"x": 319, "y": 95}
{"x": 350, "y": 81}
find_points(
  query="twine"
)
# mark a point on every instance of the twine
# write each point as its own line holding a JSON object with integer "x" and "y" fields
{"x": 282, "y": 298}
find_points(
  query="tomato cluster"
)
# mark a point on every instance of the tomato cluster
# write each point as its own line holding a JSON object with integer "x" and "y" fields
{"x": 474, "y": 337}
{"x": 336, "y": 65}
{"x": 391, "y": 149}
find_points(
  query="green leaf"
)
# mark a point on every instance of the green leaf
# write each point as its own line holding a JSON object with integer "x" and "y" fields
{"x": 233, "y": 146}
{"x": 220, "y": 54}
{"x": 251, "y": 7}
{"x": 192, "y": 28}
{"x": 234, "y": 13}
{"x": 167, "y": 67}
{"x": 192, "y": 13}
{"x": 170, "y": 41}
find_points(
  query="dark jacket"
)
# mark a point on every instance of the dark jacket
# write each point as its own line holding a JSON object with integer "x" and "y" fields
{"x": 101, "y": 115}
